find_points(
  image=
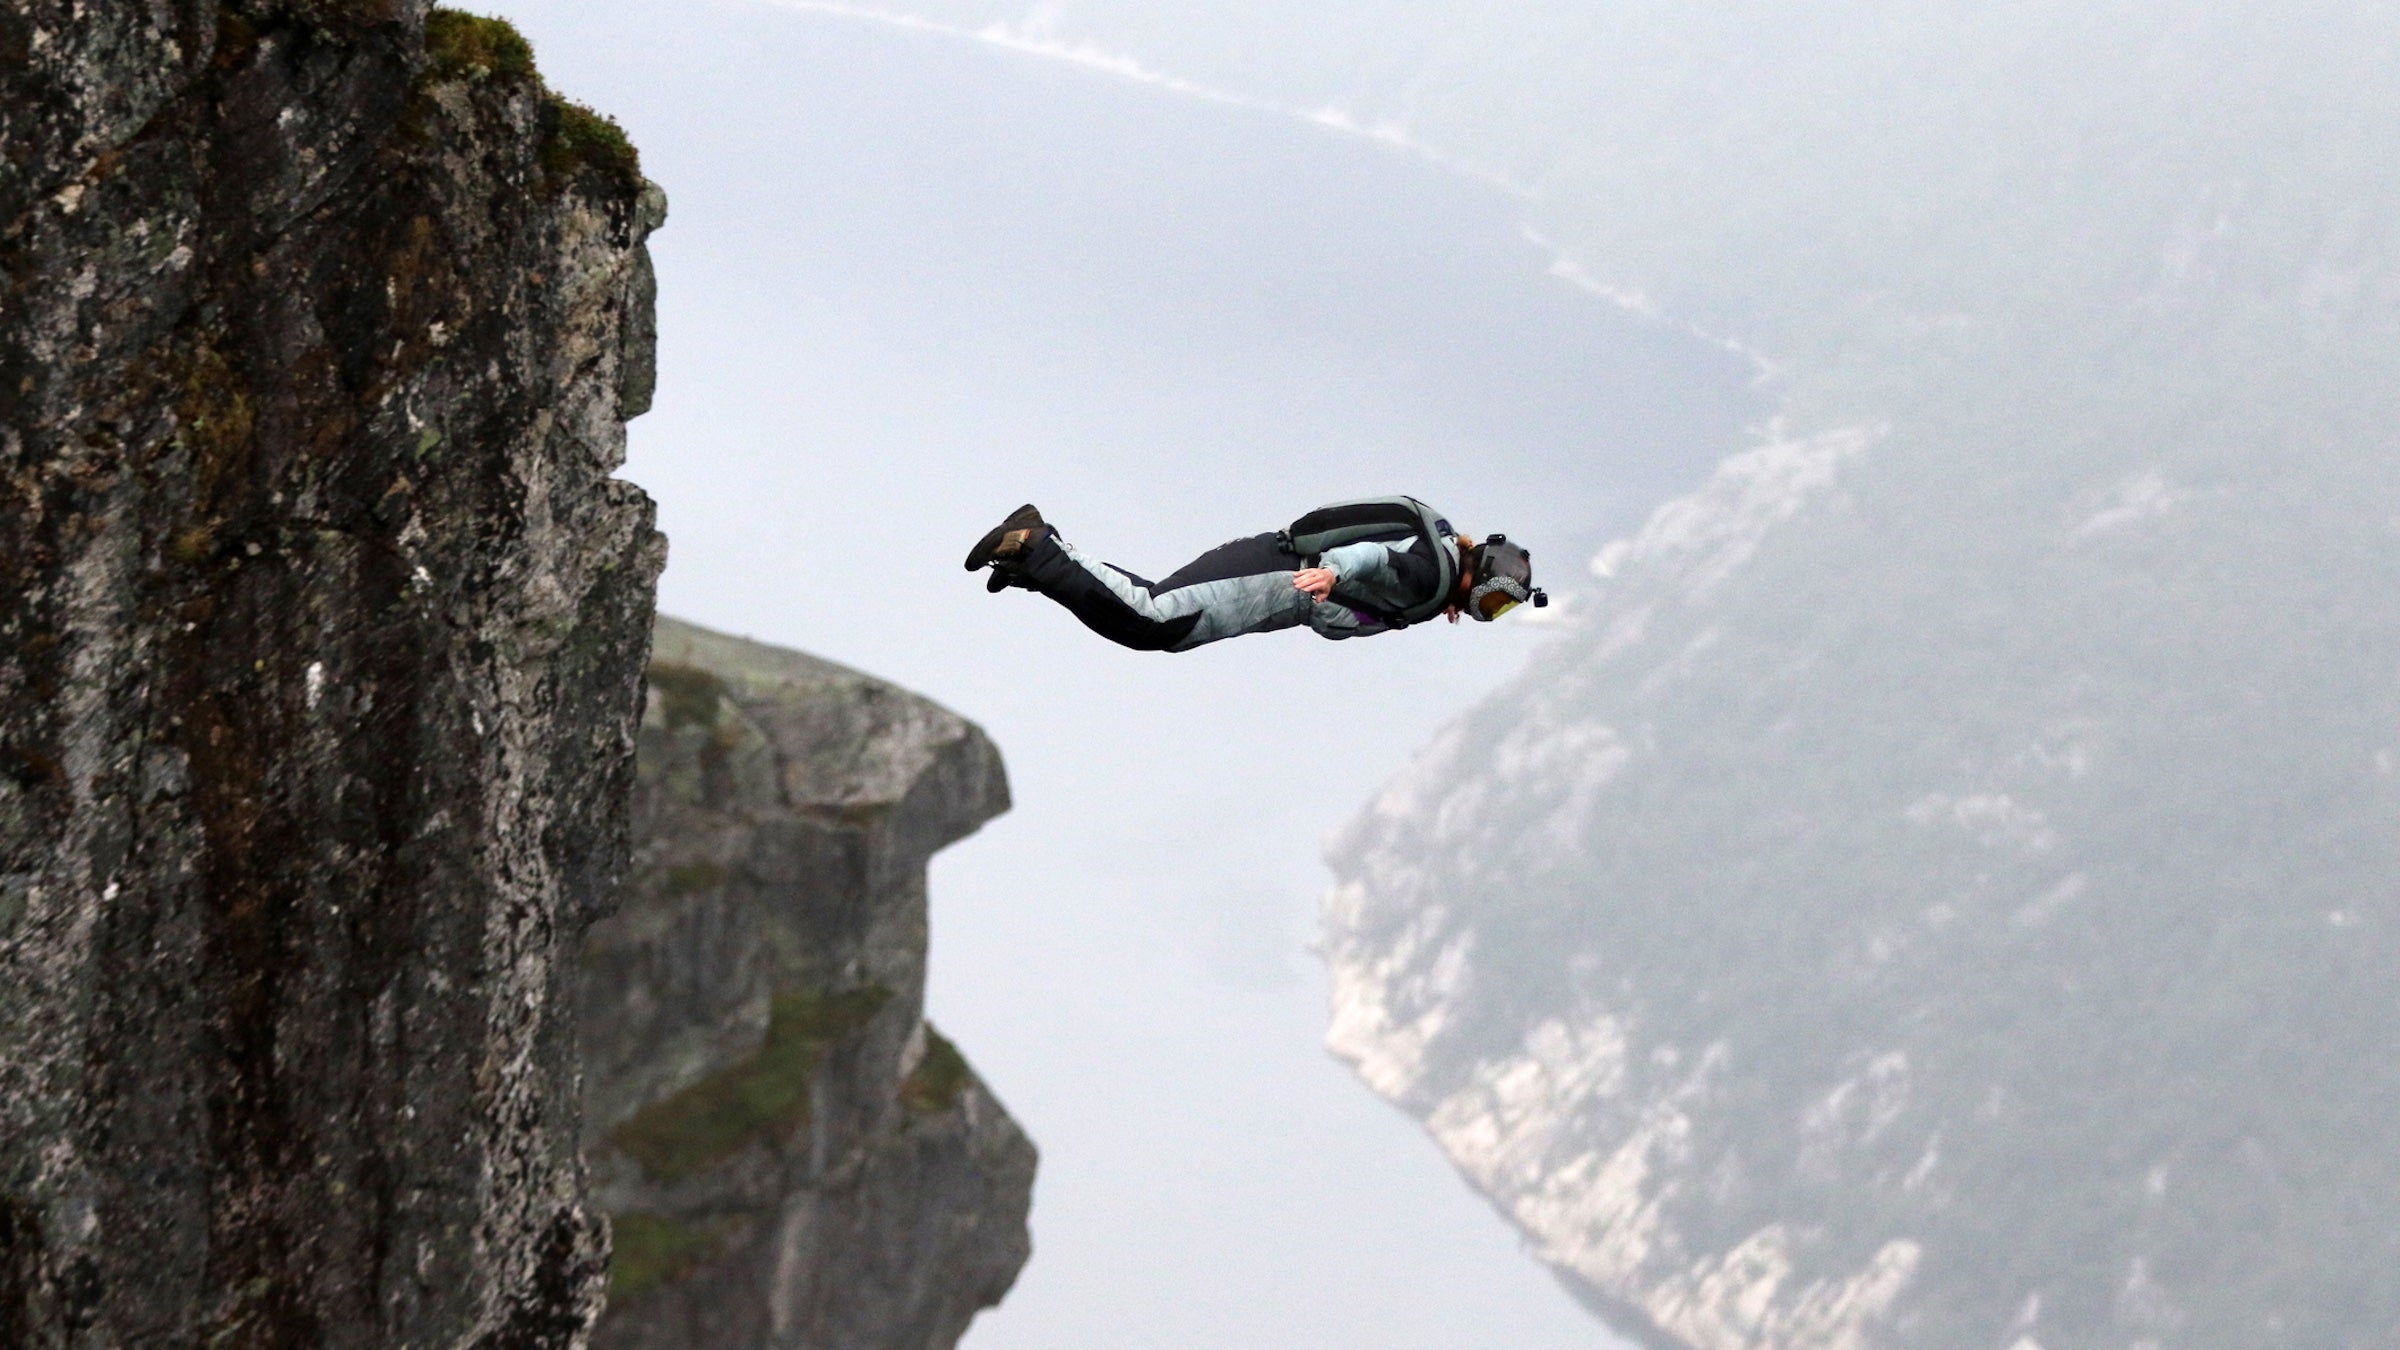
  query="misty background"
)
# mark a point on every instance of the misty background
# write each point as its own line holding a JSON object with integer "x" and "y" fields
{"x": 1934, "y": 882}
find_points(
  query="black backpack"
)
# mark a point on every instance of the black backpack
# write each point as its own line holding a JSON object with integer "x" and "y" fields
{"x": 1387, "y": 519}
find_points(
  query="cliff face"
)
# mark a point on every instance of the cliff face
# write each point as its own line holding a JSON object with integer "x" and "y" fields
{"x": 321, "y": 629}
{"x": 791, "y": 1156}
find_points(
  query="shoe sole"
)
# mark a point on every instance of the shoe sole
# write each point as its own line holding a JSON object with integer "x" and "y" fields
{"x": 988, "y": 547}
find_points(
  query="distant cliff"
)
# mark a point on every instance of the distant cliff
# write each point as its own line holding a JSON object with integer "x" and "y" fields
{"x": 790, "y": 1154}
{"x": 1809, "y": 961}
{"x": 321, "y": 635}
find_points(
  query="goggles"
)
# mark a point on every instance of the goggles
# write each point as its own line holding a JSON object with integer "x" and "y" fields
{"x": 1495, "y": 598}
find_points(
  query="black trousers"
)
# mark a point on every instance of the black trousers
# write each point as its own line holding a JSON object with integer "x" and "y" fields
{"x": 1155, "y": 618}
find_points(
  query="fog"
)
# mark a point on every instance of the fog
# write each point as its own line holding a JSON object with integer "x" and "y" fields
{"x": 1929, "y": 896}
{"x": 1936, "y": 878}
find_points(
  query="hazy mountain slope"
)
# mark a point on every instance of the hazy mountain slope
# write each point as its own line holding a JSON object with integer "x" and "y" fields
{"x": 1784, "y": 940}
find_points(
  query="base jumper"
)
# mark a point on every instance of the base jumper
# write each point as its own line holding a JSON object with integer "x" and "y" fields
{"x": 1352, "y": 569}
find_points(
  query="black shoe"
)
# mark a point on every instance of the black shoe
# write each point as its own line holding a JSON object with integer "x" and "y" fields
{"x": 1006, "y": 539}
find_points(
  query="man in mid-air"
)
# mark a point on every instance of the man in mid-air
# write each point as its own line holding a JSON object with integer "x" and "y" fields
{"x": 1352, "y": 569}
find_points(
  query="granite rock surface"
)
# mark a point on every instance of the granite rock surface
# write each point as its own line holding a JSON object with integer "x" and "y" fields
{"x": 321, "y": 634}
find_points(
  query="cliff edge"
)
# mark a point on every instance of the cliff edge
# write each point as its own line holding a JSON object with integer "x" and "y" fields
{"x": 321, "y": 631}
{"x": 791, "y": 1156}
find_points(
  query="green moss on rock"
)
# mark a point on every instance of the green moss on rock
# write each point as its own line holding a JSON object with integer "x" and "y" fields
{"x": 651, "y": 1250}
{"x": 692, "y": 878}
{"x": 691, "y": 696}
{"x": 216, "y": 417}
{"x": 575, "y": 139}
{"x": 471, "y": 47}
{"x": 764, "y": 1096}
{"x": 935, "y": 1084}
{"x": 581, "y": 139}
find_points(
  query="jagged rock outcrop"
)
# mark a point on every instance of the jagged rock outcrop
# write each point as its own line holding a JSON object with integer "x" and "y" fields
{"x": 791, "y": 1155}
{"x": 321, "y": 632}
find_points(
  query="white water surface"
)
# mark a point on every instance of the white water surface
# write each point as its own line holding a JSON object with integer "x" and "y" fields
{"x": 910, "y": 282}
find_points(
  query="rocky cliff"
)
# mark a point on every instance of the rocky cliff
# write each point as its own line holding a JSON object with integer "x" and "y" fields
{"x": 791, "y": 1155}
{"x": 321, "y": 634}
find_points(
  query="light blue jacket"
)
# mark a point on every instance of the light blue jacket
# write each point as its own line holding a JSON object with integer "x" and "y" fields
{"x": 1365, "y": 570}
